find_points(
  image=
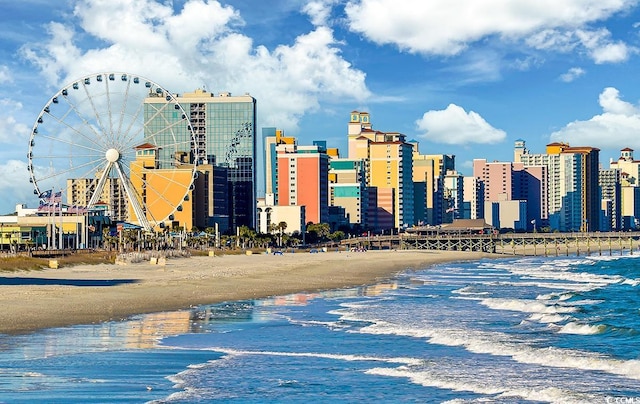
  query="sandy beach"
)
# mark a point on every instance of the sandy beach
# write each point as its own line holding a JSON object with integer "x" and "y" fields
{"x": 85, "y": 294}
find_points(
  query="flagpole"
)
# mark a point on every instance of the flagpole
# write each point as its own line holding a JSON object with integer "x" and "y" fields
{"x": 60, "y": 245}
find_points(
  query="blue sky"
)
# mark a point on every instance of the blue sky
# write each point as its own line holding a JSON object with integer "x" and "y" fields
{"x": 462, "y": 77}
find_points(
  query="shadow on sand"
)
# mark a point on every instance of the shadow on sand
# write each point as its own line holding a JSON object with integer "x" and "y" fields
{"x": 20, "y": 281}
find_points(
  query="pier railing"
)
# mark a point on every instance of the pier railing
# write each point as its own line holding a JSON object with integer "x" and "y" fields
{"x": 547, "y": 244}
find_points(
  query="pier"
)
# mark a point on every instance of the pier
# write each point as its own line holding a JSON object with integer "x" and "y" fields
{"x": 539, "y": 244}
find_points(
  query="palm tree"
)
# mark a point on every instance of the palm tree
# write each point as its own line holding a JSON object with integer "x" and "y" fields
{"x": 246, "y": 234}
{"x": 282, "y": 226}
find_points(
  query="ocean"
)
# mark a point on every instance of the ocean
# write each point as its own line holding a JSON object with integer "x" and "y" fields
{"x": 533, "y": 329}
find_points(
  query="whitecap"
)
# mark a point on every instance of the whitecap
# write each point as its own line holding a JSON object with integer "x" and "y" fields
{"x": 500, "y": 344}
{"x": 525, "y": 306}
{"x": 547, "y": 318}
{"x": 495, "y": 388}
{"x": 582, "y": 329}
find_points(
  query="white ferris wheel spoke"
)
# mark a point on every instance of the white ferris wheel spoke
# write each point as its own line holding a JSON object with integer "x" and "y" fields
{"x": 133, "y": 199}
{"x": 58, "y": 174}
{"x": 97, "y": 193}
{"x": 85, "y": 122}
{"x": 123, "y": 135}
{"x": 95, "y": 111}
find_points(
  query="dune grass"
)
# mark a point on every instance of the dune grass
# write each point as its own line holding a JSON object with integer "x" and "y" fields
{"x": 25, "y": 263}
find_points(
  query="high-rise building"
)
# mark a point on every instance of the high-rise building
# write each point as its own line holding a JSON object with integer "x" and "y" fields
{"x": 573, "y": 190}
{"x": 611, "y": 193}
{"x": 271, "y": 137}
{"x": 428, "y": 177}
{"x": 453, "y": 195}
{"x": 224, "y": 136}
{"x": 389, "y": 168}
{"x": 627, "y": 164}
{"x": 473, "y": 199}
{"x": 348, "y": 188}
{"x": 80, "y": 190}
{"x": 507, "y": 181}
{"x": 629, "y": 202}
{"x": 303, "y": 180}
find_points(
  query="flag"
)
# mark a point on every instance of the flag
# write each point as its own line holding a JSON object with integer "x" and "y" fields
{"x": 44, "y": 206}
{"x": 78, "y": 210}
{"x": 57, "y": 197}
{"x": 45, "y": 194}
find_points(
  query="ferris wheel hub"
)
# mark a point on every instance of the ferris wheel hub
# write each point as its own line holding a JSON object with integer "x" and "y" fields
{"x": 112, "y": 155}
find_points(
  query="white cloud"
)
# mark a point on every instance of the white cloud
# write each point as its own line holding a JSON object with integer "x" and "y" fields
{"x": 447, "y": 27}
{"x": 15, "y": 185}
{"x": 5, "y": 74}
{"x": 319, "y": 11}
{"x": 617, "y": 127}
{"x": 11, "y": 131}
{"x": 552, "y": 39}
{"x": 601, "y": 48}
{"x": 199, "y": 46}
{"x": 454, "y": 125}
{"x": 572, "y": 74}
{"x": 610, "y": 101}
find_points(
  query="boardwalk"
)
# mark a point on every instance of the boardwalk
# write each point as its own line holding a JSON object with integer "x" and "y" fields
{"x": 546, "y": 244}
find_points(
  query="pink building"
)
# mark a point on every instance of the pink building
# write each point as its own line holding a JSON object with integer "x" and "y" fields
{"x": 507, "y": 181}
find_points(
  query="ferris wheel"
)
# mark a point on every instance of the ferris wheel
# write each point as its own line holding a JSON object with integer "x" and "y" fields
{"x": 118, "y": 141}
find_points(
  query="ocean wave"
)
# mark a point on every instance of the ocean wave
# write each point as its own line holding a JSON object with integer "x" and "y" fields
{"x": 612, "y": 257}
{"x": 332, "y": 325}
{"x": 343, "y": 357}
{"x": 584, "y": 302}
{"x": 548, "y": 318}
{"x": 562, "y": 296}
{"x": 497, "y": 391}
{"x": 500, "y": 344}
{"x": 632, "y": 282}
{"x": 582, "y": 329}
{"x": 469, "y": 290}
{"x": 526, "y": 306}
{"x": 559, "y": 270}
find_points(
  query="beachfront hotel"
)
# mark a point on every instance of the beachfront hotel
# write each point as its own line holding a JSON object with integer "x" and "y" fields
{"x": 224, "y": 133}
{"x": 428, "y": 173}
{"x": 574, "y": 199}
{"x": 629, "y": 203}
{"x": 348, "y": 188}
{"x": 303, "y": 179}
{"x": 79, "y": 191}
{"x": 515, "y": 195}
{"x": 389, "y": 164}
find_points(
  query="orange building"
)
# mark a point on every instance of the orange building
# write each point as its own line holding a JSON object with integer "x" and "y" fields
{"x": 303, "y": 179}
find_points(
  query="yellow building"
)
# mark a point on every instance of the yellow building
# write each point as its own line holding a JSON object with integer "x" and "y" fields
{"x": 629, "y": 169}
{"x": 161, "y": 190}
{"x": 430, "y": 170}
{"x": 80, "y": 190}
{"x": 389, "y": 167}
{"x": 628, "y": 165}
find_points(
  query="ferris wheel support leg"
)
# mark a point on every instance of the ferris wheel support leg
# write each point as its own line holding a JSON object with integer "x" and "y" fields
{"x": 133, "y": 199}
{"x": 100, "y": 186}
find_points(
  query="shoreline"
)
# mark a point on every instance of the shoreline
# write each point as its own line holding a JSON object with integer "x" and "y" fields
{"x": 88, "y": 294}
